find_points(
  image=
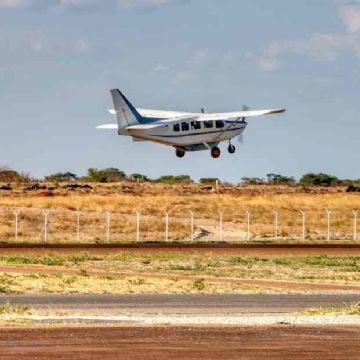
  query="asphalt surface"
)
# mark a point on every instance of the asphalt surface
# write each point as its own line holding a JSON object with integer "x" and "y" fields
{"x": 185, "y": 304}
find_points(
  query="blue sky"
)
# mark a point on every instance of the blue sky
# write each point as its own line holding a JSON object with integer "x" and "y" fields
{"x": 59, "y": 58}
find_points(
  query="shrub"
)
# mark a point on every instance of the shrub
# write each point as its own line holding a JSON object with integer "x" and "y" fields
{"x": 319, "y": 179}
{"x": 173, "y": 179}
{"x": 60, "y": 177}
{"x": 208, "y": 180}
{"x": 106, "y": 175}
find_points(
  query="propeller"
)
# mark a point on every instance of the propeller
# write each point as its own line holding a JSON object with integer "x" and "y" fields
{"x": 202, "y": 111}
{"x": 240, "y": 138}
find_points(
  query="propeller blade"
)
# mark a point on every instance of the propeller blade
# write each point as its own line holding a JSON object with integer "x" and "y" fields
{"x": 240, "y": 138}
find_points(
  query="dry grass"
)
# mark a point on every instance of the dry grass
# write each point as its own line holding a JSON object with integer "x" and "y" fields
{"x": 206, "y": 206}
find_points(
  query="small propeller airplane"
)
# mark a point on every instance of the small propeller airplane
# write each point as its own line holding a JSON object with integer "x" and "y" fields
{"x": 182, "y": 130}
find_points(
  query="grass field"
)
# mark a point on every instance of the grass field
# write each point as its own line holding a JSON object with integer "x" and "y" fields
{"x": 152, "y": 200}
{"x": 171, "y": 272}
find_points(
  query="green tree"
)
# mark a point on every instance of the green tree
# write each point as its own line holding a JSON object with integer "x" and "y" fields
{"x": 319, "y": 179}
{"x": 65, "y": 176}
{"x": 277, "y": 179}
{"x": 106, "y": 175}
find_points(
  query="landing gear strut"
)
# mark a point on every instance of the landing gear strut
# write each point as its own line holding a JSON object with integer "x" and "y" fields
{"x": 231, "y": 148}
{"x": 215, "y": 152}
{"x": 180, "y": 153}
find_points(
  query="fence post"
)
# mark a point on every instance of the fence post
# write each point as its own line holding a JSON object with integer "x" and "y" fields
{"x": 46, "y": 224}
{"x": 16, "y": 213}
{"x": 137, "y": 226}
{"x": 248, "y": 213}
{"x": 108, "y": 218}
{"x": 328, "y": 224}
{"x": 191, "y": 226}
{"x": 78, "y": 213}
{"x": 221, "y": 226}
{"x": 355, "y": 224}
{"x": 303, "y": 213}
{"x": 276, "y": 218}
{"x": 166, "y": 226}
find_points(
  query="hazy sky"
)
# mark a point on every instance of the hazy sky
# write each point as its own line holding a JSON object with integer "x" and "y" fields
{"x": 59, "y": 58}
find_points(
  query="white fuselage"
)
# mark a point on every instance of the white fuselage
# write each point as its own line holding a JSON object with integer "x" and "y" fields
{"x": 183, "y": 133}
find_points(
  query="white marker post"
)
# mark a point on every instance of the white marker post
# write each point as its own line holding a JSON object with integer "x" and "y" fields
{"x": 166, "y": 226}
{"x": 303, "y": 213}
{"x": 221, "y": 226}
{"x": 108, "y": 219}
{"x": 78, "y": 213}
{"x": 355, "y": 224}
{"x": 192, "y": 237}
{"x": 248, "y": 213}
{"x": 16, "y": 213}
{"x": 137, "y": 226}
{"x": 328, "y": 224}
{"x": 276, "y": 220}
{"x": 46, "y": 224}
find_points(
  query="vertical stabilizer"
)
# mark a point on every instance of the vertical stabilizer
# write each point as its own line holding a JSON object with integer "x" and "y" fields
{"x": 126, "y": 113}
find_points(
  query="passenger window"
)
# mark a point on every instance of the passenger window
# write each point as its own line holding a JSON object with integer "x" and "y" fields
{"x": 208, "y": 124}
{"x": 219, "y": 124}
{"x": 195, "y": 125}
{"x": 176, "y": 127}
{"x": 185, "y": 126}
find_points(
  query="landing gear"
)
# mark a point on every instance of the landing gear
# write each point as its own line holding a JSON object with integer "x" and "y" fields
{"x": 180, "y": 153}
{"x": 231, "y": 148}
{"x": 215, "y": 152}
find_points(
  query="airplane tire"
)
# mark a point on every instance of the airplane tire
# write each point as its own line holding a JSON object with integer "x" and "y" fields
{"x": 180, "y": 153}
{"x": 215, "y": 152}
{"x": 231, "y": 149}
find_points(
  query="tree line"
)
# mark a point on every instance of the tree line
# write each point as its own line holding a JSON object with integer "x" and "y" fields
{"x": 111, "y": 175}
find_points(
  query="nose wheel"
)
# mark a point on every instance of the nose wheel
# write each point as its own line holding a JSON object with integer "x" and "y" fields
{"x": 231, "y": 148}
{"x": 215, "y": 152}
{"x": 180, "y": 153}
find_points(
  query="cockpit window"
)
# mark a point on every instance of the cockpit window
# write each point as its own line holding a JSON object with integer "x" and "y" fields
{"x": 176, "y": 127}
{"x": 208, "y": 124}
{"x": 219, "y": 124}
{"x": 185, "y": 126}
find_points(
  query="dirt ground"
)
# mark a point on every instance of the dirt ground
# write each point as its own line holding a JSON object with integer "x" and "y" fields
{"x": 186, "y": 342}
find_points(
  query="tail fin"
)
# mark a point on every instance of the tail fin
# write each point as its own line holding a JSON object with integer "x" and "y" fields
{"x": 125, "y": 112}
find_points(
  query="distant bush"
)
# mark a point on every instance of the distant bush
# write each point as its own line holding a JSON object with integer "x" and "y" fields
{"x": 139, "y": 177}
{"x": 10, "y": 176}
{"x": 208, "y": 180}
{"x": 59, "y": 177}
{"x": 106, "y": 175}
{"x": 277, "y": 179}
{"x": 319, "y": 179}
{"x": 174, "y": 179}
{"x": 252, "y": 181}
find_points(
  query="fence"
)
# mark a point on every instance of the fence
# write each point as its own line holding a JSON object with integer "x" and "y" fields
{"x": 67, "y": 226}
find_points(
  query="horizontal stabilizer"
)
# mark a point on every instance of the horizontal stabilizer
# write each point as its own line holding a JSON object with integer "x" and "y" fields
{"x": 108, "y": 126}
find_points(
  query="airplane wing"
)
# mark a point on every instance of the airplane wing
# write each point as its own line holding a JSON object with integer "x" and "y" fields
{"x": 159, "y": 114}
{"x": 234, "y": 116}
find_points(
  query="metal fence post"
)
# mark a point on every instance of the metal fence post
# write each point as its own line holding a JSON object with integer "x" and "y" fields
{"x": 108, "y": 219}
{"x": 78, "y": 213}
{"x": 166, "y": 226}
{"x": 276, "y": 218}
{"x": 303, "y": 213}
{"x": 191, "y": 226}
{"x": 328, "y": 224}
{"x": 46, "y": 224}
{"x": 221, "y": 226}
{"x": 16, "y": 213}
{"x": 137, "y": 226}
{"x": 355, "y": 224}
{"x": 248, "y": 213}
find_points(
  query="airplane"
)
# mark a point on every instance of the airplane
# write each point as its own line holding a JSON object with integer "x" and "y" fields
{"x": 184, "y": 131}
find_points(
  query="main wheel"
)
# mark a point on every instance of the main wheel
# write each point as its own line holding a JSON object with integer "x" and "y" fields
{"x": 180, "y": 153}
{"x": 231, "y": 148}
{"x": 215, "y": 152}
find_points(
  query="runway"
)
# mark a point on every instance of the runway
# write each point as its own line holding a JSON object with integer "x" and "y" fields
{"x": 185, "y": 304}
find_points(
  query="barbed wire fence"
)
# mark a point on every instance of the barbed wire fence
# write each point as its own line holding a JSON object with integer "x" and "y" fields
{"x": 252, "y": 225}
